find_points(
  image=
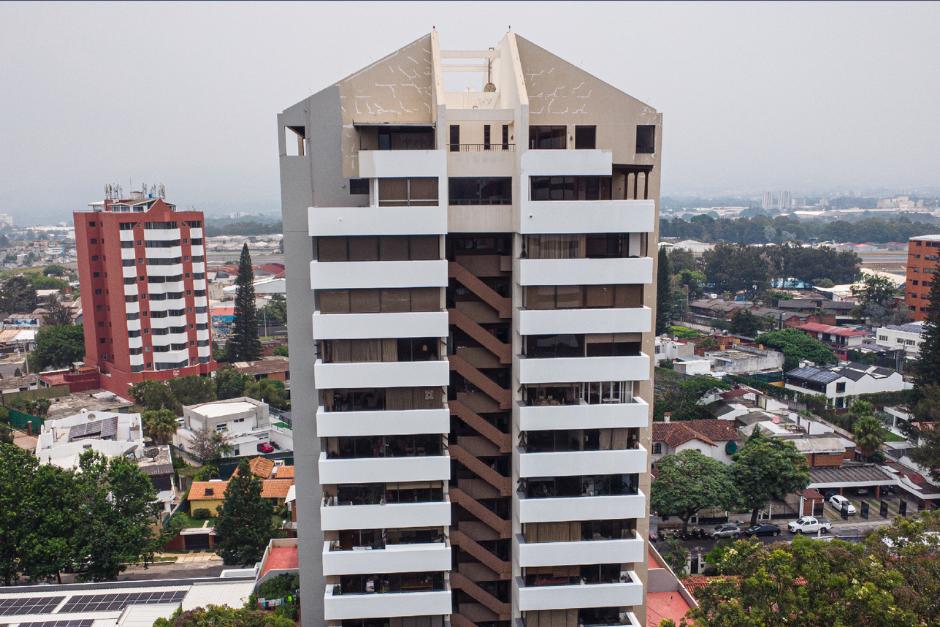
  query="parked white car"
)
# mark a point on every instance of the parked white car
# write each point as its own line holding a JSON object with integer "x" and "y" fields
{"x": 809, "y": 524}
{"x": 840, "y": 502}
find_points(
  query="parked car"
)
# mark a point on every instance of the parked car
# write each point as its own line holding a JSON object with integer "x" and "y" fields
{"x": 727, "y": 530}
{"x": 265, "y": 447}
{"x": 809, "y": 524}
{"x": 763, "y": 529}
{"x": 840, "y": 502}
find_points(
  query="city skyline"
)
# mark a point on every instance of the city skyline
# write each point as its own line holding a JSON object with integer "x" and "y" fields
{"x": 818, "y": 121}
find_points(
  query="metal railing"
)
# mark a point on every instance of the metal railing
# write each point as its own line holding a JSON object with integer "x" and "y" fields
{"x": 500, "y": 147}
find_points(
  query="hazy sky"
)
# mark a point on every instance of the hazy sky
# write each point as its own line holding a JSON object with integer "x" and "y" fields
{"x": 754, "y": 96}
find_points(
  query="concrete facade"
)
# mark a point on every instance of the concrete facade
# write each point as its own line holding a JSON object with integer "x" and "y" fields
{"x": 483, "y": 255}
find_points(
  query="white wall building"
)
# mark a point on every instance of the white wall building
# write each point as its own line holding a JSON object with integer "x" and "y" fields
{"x": 841, "y": 384}
{"x": 713, "y": 438}
{"x": 902, "y": 336}
{"x": 671, "y": 348}
{"x": 470, "y": 278}
{"x": 62, "y": 441}
{"x": 745, "y": 360}
{"x": 246, "y": 423}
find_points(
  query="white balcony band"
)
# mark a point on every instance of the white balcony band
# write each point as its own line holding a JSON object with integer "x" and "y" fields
{"x": 136, "y": 360}
{"x": 390, "y": 469}
{"x": 334, "y": 275}
{"x": 135, "y": 342}
{"x": 379, "y": 325}
{"x": 375, "y": 220}
{"x": 587, "y": 216}
{"x": 613, "y": 320}
{"x": 161, "y": 234}
{"x": 604, "y": 416}
{"x": 567, "y": 163}
{"x": 402, "y": 163}
{"x": 168, "y": 252}
{"x": 394, "y": 558}
{"x": 128, "y": 253}
{"x": 575, "y": 463}
{"x": 381, "y": 374}
{"x": 131, "y": 290}
{"x": 132, "y": 308}
{"x": 129, "y": 271}
{"x": 389, "y": 515}
{"x": 388, "y": 422}
{"x": 561, "y": 509}
{"x": 576, "y": 369}
{"x": 195, "y": 232}
{"x": 174, "y": 269}
{"x": 392, "y": 604}
{"x": 616, "y": 271}
{"x": 127, "y": 235}
{"x": 623, "y": 551}
{"x": 624, "y": 593}
{"x": 204, "y": 351}
{"x": 169, "y": 338}
{"x": 197, "y": 251}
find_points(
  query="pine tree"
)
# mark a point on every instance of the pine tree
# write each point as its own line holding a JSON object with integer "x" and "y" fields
{"x": 245, "y": 525}
{"x": 927, "y": 370}
{"x": 663, "y": 294}
{"x": 243, "y": 345}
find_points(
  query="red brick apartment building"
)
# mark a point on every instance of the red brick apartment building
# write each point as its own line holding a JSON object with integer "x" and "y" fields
{"x": 923, "y": 257}
{"x": 142, "y": 270}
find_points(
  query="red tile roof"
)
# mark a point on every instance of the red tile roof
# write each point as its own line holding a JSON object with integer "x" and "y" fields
{"x": 709, "y": 431}
{"x": 275, "y": 488}
{"x": 816, "y": 327}
{"x": 661, "y": 606}
{"x": 280, "y": 558}
{"x": 207, "y": 490}
{"x": 261, "y": 467}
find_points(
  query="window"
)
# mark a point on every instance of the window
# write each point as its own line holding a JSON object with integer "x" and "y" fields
{"x": 570, "y": 187}
{"x": 645, "y": 139}
{"x": 454, "y": 137}
{"x": 486, "y": 137}
{"x": 548, "y": 137}
{"x": 359, "y": 187}
{"x": 840, "y": 388}
{"x": 657, "y": 448}
{"x": 480, "y": 190}
{"x": 505, "y": 137}
{"x": 585, "y": 137}
{"x": 411, "y": 192}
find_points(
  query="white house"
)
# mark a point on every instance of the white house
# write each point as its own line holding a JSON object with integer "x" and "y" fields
{"x": 671, "y": 348}
{"x": 692, "y": 365}
{"x": 714, "y": 438}
{"x": 745, "y": 360}
{"x": 902, "y": 336}
{"x": 63, "y": 440}
{"x": 246, "y": 423}
{"x": 841, "y": 384}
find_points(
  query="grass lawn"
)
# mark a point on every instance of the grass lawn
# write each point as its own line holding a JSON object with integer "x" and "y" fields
{"x": 890, "y": 436}
{"x": 189, "y": 522}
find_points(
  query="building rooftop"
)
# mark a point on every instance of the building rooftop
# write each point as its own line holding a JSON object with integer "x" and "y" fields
{"x": 926, "y": 238}
{"x": 850, "y": 475}
{"x": 276, "y": 488}
{"x": 710, "y": 431}
{"x": 215, "y": 409}
{"x": 816, "y": 327}
{"x": 207, "y": 490}
{"x": 909, "y": 327}
{"x": 269, "y": 365}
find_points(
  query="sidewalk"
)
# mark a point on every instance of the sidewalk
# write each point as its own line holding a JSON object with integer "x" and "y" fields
{"x": 189, "y": 558}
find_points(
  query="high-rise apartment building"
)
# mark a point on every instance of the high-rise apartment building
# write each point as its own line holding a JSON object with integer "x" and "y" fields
{"x": 142, "y": 270}
{"x": 923, "y": 259}
{"x": 470, "y": 281}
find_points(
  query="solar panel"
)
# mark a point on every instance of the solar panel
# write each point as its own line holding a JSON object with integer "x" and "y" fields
{"x": 28, "y": 605}
{"x": 119, "y": 601}
{"x": 80, "y": 622}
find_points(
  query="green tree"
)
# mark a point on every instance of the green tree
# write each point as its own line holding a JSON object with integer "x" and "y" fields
{"x": 682, "y": 259}
{"x": 54, "y": 503}
{"x": 743, "y": 322}
{"x": 270, "y": 391}
{"x": 767, "y": 468}
{"x": 693, "y": 280}
{"x": 688, "y": 482}
{"x": 55, "y": 269}
{"x": 736, "y": 268}
{"x": 245, "y": 524}
{"x": 155, "y": 395}
{"x": 276, "y": 309}
{"x": 877, "y": 302}
{"x": 244, "y": 345}
{"x": 118, "y": 515}
{"x": 281, "y": 351}
{"x": 927, "y": 368}
{"x": 230, "y": 383}
{"x": 802, "y": 583}
{"x": 159, "y": 425}
{"x": 192, "y": 390}
{"x": 17, "y": 468}
{"x": 219, "y": 616}
{"x": 57, "y": 347}
{"x": 209, "y": 445}
{"x": 677, "y": 556}
{"x": 56, "y": 313}
{"x": 869, "y": 435}
{"x": 796, "y": 346}
{"x": 17, "y": 295}
{"x": 6, "y": 433}
{"x": 663, "y": 293}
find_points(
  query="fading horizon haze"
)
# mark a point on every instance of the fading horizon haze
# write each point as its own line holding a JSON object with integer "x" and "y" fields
{"x": 804, "y": 97}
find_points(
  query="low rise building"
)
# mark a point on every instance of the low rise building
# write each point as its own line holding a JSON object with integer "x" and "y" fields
{"x": 670, "y": 348}
{"x": 244, "y": 421}
{"x": 907, "y": 337}
{"x": 745, "y": 360}
{"x": 842, "y": 384}
{"x": 839, "y": 339}
{"x": 692, "y": 365}
{"x": 276, "y": 368}
{"x": 63, "y": 440}
{"x": 713, "y": 438}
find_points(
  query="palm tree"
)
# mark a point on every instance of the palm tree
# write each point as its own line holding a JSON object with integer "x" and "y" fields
{"x": 869, "y": 435}
{"x": 160, "y": 425}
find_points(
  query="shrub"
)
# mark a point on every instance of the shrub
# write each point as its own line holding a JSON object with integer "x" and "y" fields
{"x": 201, "y": 513}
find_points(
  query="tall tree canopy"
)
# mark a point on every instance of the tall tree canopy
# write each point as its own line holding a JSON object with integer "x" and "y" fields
{"x": 767, "y": 468}
{"x": 663, "y": 293}
{"x": 243, "y": 344}
{"x": 796, "y": 346}
{"x": 159, "y": 425}
{"x": 736, "y": 268}
{"x": 57, "y": 347}
{"x": 230, "y": 383}
{"x": 244, "y": 525}
{"x": 688, "y": 482}
{"x": 877, "y": 301}
{"x": 193, "y": 389}
{"x": 17, "y": 295}
{"x": 56, "y": 313}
